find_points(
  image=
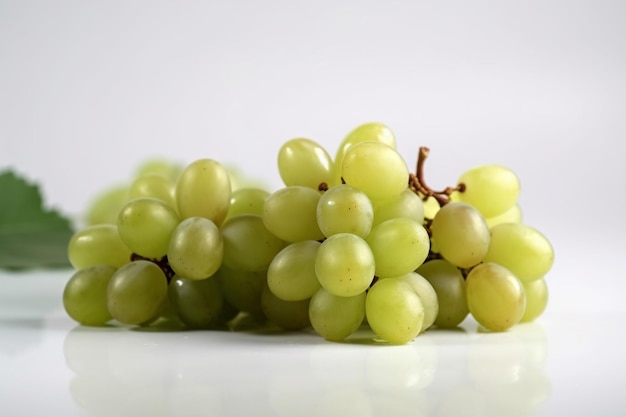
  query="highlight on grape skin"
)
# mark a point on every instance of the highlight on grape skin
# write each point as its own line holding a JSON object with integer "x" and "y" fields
{"x": 350, "y": 244}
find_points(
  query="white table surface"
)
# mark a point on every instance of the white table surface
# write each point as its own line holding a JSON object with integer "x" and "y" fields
{"x": 566, "y": 363}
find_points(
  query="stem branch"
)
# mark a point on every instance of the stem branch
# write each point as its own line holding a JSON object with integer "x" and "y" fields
{"x": 417, "y": 183}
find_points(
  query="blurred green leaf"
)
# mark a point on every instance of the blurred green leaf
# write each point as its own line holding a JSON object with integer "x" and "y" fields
{"x": 30, "y": 235}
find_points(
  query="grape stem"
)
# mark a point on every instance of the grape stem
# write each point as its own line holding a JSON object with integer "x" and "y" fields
{"x": 419, "y": 186}
{"x": 162, "y": 263}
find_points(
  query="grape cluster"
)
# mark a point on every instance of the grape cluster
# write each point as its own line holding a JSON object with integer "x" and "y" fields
{"x": 351, "y": 241}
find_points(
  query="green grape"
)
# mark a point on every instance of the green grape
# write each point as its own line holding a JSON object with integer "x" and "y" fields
{"x": 344, "y": 265}
{"x": 242, "y": 289}
{"x": 153, "y": 185}
{"x": 449, "y": 284}
{"x": 492, "y": 189}
{"x": 536, "y": 299}
{"x": 394, "y": 311}
{"x": 106, "y": 206}
{"x": 98, "y": 244}
{"x": 431, "y": 207}
{"x": 198, "y": 303}
{"x": 247, "y": 201}
{"x": 85, "y": 295}
{"x": 137, "y": 292}
{"x": 345, "y": 209}
{"x": 167, "y": 319}
{"x": 229, "y": 311}
{"x": 522, "y": 249}
{"x": 406, "y": 204}
{"x": 161, "y": 167}
{"x": 367, "y": 132}
{"x": 196, "y": 248}
{"x": 433, "y": 246}
{"x": 203, "y": 190}
{"x": 248, "y": 244}
{"x": 304, "y": 162}
{"x": 376, "y": 169}
{"x": 291, "y": 275}
{"x": 399, "y": 245}
{"x": 290, "y": 214}
{"x": 288, "y": 315}
{"x": 335, "y": 318}
{"x": 495, "y": 297}
{"x": 239, "y": 180}
{"x": 427, "y": 295}
{"x": 512, "y": 215}
{"x": 460, "y": 234}
{"x": 145, "y": 225}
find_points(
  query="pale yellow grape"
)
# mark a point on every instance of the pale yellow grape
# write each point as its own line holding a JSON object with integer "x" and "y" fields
{"x": 290, "y": 214}
{"x": 522, "y": 249}
{"x": 248, "y": 244}
{"x": 196, "y": 248}
{"x": 449, "y": 284}
{"x": 495, "y": 297}
{"x": 406, "y": 204}
{"x": 98, "y": 244}
{"x": 536, "y": 299}
{"x": 153, "y": 185}
{"x": 455, "y": 196}
{"x": 460, "y": 234}
{"x": 203, "y": 190}
{"x": 492, "y": 189}
{"x": 367, "y": 132}
{"x": 146, "y": 224}
{"x": 345, "y": 209}
{"x": 433, "y": 246}
{"x": 335, "y": 318}
{"x": 137, "y": 292}
{"x": 376, "y": 169}
{"x": 304, "y": 162}
{"x": 431, "y": 207}
{"x": 344, "y": 265}
{"x": 427, "y": 295}
{"x": 247, "y": 201}
{"x": 106, "y": 206}
{"x": 394, "y": 311}
{"x": 399, "y": 246}
{"x": 512, "y": 215}
{"x": 85, "y": 295}
{"x": 288, "y": 315}
{"x": 291, "y": 275}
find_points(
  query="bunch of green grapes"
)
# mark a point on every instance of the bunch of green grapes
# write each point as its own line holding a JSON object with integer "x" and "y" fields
{"x": 153, "y": 250}
{"x": 354, "y": 235}
{"x": 156, "y": 259}
{"x": 485, "y": 261}
{"x": 347, "y": 242}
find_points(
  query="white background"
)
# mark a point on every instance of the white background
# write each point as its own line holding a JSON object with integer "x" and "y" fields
{"x": 89, "y": 89}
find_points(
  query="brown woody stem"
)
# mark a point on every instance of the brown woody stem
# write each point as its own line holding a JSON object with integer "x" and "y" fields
{"x": 418, "y": 184}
